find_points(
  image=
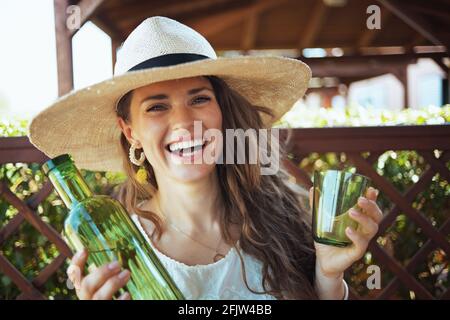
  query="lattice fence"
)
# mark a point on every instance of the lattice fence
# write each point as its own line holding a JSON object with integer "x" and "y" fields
{"x": 362, "y": 148}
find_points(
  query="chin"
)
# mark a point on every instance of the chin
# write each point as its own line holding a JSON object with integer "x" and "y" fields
{"x": 192, "y": 172}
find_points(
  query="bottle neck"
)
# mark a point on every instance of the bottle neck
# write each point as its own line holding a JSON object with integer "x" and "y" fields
{"x": 69, "y": 184}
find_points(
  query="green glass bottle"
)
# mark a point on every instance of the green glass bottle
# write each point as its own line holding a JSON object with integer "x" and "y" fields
{"x": 102, "y": 225}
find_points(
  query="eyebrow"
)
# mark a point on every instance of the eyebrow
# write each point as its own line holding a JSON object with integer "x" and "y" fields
{"x": 164, "y": 96}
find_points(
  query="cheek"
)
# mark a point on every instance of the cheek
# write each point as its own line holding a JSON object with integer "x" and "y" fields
{"x": 152, "y": 133}
{"x": 213, "y": 117}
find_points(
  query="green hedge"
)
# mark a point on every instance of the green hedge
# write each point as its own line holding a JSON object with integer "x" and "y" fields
{"x": 29, "y": 251}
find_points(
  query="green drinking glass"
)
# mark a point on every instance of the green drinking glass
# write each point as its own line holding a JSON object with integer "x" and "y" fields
{"x": 335, "y": 192}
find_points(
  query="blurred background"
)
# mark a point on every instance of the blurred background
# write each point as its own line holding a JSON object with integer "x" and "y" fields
{"x": 378, "y": 101}
{"x": 400, "y": 63}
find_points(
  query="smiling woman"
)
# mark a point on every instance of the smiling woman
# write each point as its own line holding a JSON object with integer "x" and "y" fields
{"x": 223, "y": 231}
{"x": 211, "y": 199}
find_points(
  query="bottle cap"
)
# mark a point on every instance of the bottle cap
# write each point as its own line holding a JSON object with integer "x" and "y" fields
{"x": 53, "y": 163}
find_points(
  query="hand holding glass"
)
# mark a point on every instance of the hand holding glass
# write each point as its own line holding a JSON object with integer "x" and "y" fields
{"x": 335, "y": 193}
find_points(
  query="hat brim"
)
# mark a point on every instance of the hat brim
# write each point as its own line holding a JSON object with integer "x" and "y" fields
{"x": 83, "y": 123}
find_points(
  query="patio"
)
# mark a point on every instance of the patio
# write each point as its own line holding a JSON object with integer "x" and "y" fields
{"x": 413, "y": 33}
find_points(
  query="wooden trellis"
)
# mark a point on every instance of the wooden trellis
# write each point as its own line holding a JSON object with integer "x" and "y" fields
{"x": 301, "y": 142}
{"x": 376, "y": 140}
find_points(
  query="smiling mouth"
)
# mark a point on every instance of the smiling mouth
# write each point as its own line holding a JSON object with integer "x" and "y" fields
{"x": 186, "y": 148}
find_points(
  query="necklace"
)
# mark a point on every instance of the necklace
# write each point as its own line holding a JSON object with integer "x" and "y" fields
{"x": 217, "y": 255}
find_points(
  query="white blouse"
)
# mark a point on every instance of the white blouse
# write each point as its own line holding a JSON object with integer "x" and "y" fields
{"x": 221, "y": 280}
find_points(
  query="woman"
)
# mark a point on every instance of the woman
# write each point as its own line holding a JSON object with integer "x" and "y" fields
{"x": 222, "y": 230}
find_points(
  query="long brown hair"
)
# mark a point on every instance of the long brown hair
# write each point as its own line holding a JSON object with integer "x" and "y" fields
{"x": 271, "y": 211}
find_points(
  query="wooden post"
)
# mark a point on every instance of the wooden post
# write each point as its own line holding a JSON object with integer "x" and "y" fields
{"x": 402, "y": 75}
{"x": 63, "y": 48}
{"x": 446, "y": 89}
{"x": 115, "y": 43}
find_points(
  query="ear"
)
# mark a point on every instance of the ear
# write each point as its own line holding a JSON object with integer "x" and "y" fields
{"x": 128, "y": 131}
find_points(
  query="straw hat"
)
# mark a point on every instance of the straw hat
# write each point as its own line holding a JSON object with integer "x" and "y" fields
{"x": 83, "y": 122}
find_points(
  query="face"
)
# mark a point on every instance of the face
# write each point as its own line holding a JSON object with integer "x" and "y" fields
{"x": 163, "y": 115}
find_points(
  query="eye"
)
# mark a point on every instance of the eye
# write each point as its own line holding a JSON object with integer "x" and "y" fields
{"x": 156, "y": 107}
{"x": 201, "y": 99}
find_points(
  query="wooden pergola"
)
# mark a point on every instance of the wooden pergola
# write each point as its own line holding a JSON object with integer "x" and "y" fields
{"x": 286, "y": 24}
{"x": 409, "y": 30}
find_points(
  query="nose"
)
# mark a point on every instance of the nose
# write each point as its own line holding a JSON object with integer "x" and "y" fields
{"x": 181, "y": 117}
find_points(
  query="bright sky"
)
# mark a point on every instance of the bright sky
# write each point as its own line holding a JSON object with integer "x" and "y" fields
{"x": 28, "y": 77}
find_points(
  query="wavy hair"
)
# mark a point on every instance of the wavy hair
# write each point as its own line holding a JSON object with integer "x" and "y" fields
{"x": 272, "y": 212}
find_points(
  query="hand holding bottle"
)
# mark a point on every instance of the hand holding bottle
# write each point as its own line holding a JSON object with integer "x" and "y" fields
{"x": 102, "y": 226}
{"x": 101, "y": 283}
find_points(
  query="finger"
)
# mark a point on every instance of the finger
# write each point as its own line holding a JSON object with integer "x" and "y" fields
{"x": 368, "y": 227}
{"x": 80, "y": 258}
{"x": 372, "y": 193}
{"x": 76, "y": 267}
{"x": 94, "y": 280}
{"x": 359, "y": 241}
{"x": 311, "y": 194}
{"x": 125, "y": 296}
{"x": 370, "y": 208}
{"x": 74, "y": 275}
{"x": 111, "y": 286}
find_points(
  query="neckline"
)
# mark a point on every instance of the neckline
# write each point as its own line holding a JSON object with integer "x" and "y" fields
{"x": 176, "y": 262}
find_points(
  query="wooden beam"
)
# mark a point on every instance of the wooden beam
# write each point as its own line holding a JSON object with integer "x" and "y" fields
{"x": 432, "y": 11}
{"x": 183, "y": 7}
{"x": 215, "y": 24}
{"x": 368, "y": 35}
{"x": 87, "y": 10}
{"x": 136, "y": 12}
{"x": 442, "y": 65}
{"x": 63, "y": 48}
{"x": 316, "y": 19}
{"x": 371, "y": 138}
{"x": 363, "y": 66}
{"x": 418, "y": 40}
{"x": 108, "y": 27}
{"x": 249, "y": 35}
{"x": 411, "y": 19}
{"x": 19, "y": 280}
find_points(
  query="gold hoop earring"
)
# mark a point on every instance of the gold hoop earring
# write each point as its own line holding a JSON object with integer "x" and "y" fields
{"x": 132, "y": 155}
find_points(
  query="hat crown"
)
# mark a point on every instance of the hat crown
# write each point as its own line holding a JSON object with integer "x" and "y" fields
{"x": 158, "y": 36}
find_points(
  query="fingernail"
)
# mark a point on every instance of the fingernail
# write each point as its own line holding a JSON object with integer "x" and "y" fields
{"x": 362, "y": 200}
{"x": 349, "y": 230}
{"x": 113, "y": 265}
{"x": 125, "y": 296}
{"x": 354, "y": 212}
{"x": 124, "y": 274}
{"x": 70, "y": 270}
{"x": 79, "y": 254}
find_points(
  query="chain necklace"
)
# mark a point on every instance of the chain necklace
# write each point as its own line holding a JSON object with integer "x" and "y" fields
{"x": 216, "y": 257}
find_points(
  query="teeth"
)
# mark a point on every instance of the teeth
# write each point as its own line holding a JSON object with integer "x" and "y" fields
{"x": 185, "y": 144}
